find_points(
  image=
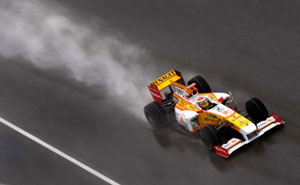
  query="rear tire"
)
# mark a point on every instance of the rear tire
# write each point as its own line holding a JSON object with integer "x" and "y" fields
{"x": 256, "y": 110}
{"x": 155, "y": 114}
{"x": 201, "y": 84}
{"x": 209, "y": 137}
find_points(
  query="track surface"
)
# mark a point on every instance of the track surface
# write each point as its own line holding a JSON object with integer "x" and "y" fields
{"x": 248, "y": 47}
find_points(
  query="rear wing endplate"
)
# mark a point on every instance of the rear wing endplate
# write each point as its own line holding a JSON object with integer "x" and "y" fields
{"x": 162, "y": 82}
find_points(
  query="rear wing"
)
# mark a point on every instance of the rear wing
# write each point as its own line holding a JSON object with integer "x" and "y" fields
{"x": 156, "y": 86}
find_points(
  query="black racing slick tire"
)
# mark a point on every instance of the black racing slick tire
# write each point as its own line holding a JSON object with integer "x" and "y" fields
{"x": 209, "y": 137}
{"x": 256, "y": 110}
{"x": 201, "y": 84}
{"x": 155, "y": 114}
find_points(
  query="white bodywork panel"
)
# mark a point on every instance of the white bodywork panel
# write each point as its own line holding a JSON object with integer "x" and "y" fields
{"x": 186, "y": 117}
{"x": 233, "y": 144}
{"x": 221, "y": 110}
{"x": 221, "y": 95}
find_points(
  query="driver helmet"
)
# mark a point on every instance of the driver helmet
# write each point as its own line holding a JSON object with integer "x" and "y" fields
{"x": 203, "y": 102}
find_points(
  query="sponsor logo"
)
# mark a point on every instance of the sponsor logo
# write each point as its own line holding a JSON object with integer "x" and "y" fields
{"x": 164, "y": 78}
{"x": 154, "y": 90}
{"x": 243, "y": 123}
{"x": 183, "y": 103}
{"x": 236, "y": 117}
{"x": 227, "y": 145}
{"x": 220, "y": 149}
{"x": 224, "y": 111}
{"x": 261, "y": 124}
{"x": 209, "y": 119}
{"x": 155, "y": 95}
{"x": 219, "y": 109}
{"x": 179, "y": 91}
{"x": 234, "y": 140}
{"x": 181, "y": 119}
{"x": 230, "y": 143}
{"x": 187, "y": 105}
{"x": 212, "y": 116}
{"x": 227, "y": 112}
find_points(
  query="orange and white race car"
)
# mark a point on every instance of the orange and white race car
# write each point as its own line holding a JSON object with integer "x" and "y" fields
{"x": 211, "y": 115}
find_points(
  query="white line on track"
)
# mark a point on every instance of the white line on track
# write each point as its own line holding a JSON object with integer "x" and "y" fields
{"x": 58, "y": 152}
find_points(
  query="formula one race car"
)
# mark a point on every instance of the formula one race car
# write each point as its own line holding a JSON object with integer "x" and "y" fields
{"x": 212, "y": 116}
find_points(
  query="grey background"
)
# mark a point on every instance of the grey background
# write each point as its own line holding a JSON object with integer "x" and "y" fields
{"x": 248, "y": 47}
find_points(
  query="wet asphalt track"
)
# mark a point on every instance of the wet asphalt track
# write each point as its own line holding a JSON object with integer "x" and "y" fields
{"x": 248, "y": 47}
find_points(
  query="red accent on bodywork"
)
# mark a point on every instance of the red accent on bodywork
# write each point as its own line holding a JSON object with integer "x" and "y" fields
{"x": 278, "y": 119}
{"x": 221, "y": 99}
{"x": 221, "y": 151}
{"x": 234, "y": 108}
{"x": 200, "y": 111}
{"x": 155, "y": 93}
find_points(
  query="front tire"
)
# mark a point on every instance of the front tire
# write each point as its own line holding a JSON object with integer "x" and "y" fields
{"x": 201, "y": 84}
{"x": 155, "y": 114}
{"x": 256, "y": 110}
{"x": 209, "y": 137}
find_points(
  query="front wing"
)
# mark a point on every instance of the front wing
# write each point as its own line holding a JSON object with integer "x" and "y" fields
{"x": 233, "y": 144}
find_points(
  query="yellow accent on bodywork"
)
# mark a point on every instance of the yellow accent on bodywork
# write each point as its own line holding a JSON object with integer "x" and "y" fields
{"x": 184, "y": 105}
{"x": 238, "y": 120}
{"x": 205, "y": 119}
{"x": 166, "y": 80}
{"x": 208, "y": 118}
